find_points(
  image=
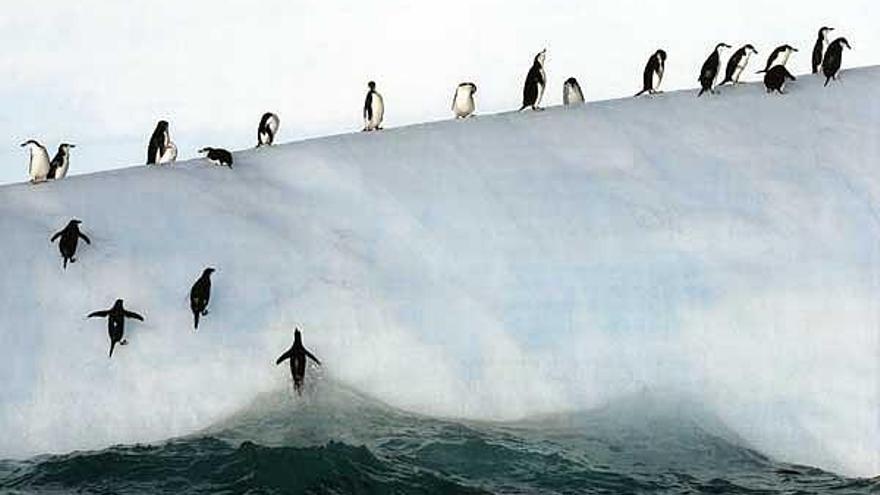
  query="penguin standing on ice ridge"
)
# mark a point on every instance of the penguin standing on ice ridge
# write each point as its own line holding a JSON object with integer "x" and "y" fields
{"x": 653, "y": 75}
{"x": 70, "y": 236}
{"x": 536, "y": 81}
{"x": 61, "y": 162}
{"x": 218, "y": 156}
{"x": 737, "y": 64}
{"x": 297, "y": 355}
{"x": 161, "y": 149}
{"x": 38, "y": 166}
{"x": 779, "y": 56}
{"x": 775, "y": 78}
{"x": 116, "y": 322}
{"x": 200, "y": 295}
{"x": 267, "y": 129}
{"x": 833, "y": 59}
{"x": 819, "y": 48}
{"x": 571, "y": 92}
{"x": 374, "y": 109}
{"x": 463, "y": 105}
{"x": 710, "y": 70}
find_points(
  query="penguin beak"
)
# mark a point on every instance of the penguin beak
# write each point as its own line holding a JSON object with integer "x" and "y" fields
{"x": 23, "y": 144}
{"x": 71, "y": 146}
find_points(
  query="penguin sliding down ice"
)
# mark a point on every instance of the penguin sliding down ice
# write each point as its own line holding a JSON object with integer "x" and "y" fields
{"x": 116, "y": 322}
{"x": 779, "y": 56}
{"x": 833, "y": 59}
{"x": 571, "y": 92}
{"x": 819, "y": 48}
{"x": 737, "y": 64}
{"x": 267, "y": 129}
{"x": 61, "y": 162}
{"x": 218, "y": 156}
{"x": 710, "y": 70}
{"x": 161, "y": 149}
{"x": 536, "y": 81}
{"x": 200, "y": 295}
{"x": 38, "y": 166}
{"x": 297, "y": 355}
{"x": 463, "y": 105}
{"x": 70, "y": 236}
{"x": 374, "y": 109}
{"x": 653, "y": 74}
{"x": 775, "y": 78}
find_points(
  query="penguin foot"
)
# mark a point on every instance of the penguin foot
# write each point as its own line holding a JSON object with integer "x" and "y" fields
{"x": 205, "y": 313}
{"x": 123, "y": 342}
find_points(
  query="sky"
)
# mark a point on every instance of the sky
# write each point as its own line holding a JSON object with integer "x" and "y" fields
{"x": 100, "y": 74}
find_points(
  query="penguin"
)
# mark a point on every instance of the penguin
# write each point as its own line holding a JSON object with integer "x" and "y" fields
{"x": 200, "y": 295}
{"x": 218, "y": 156}
{"x": 61, "y": 162}
{"x": 571, "y": 92}
{"x": 267, "y": 129}
{"x": 833, "y": 58}
{"x": 775, "y": 78}
{"x": 70, "y": 236}
{"x": 116, "y": 322}
{"x": 297, "y": 355}
{"x": 158, "y": 143}
{"x": 709, "y": 72}
{"x": 779, "y": 57}
{"x": 536, "y": 81}
{"x": 737, "y": 64}
{"x": 374, "y": 109}
{"x": 38, "y": 167}
{"x": 819, "y": 47}
{"x": 653, "y": 75}
{"x": 463, "y": 105}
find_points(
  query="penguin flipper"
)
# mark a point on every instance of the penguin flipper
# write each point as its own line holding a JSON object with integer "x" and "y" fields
{"x": 56, "y": 236}
{"x": 98, "y": 314}
{"x": 132, "y": 314}
{"x": 313, "y": 358}
{"x": 284, "y": 356}
{"x": 85, "y": 238}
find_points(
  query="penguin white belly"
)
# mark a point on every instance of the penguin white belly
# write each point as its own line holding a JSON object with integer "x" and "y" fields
{"x": 39, "y": 166}
{"x": 378, "y": 109}
{"x": 780, "y": 59}
{"x": 61, "y": 171}
{"x": 740, "y": 67}
{"x": 464, "y": 103}
{"x": 657, "y": 79}
{"x": 273, "y": 125}
{"x": 170, "y": 154}
{"x": 572, "y": 95}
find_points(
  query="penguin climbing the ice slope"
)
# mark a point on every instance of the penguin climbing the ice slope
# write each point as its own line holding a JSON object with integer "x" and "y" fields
{"x": 536, "y": 81}
{"x": 653, "y": 74}
{"x": 737, "y": 64}
{"x": 297, "y": 355}
{"x": 200, "y": 295}
{"x": 267, "y": 129}
{"x": 833, "y": 59}
{"x": 70, "y": 236}
{"x": 218, "y": 156}
{"x": 158, "y": 149}
{"x": 61, "y": 162}
{"x": 571, "y": 92}
{"x": 779, "y": 56}
{"x": 463, "y": 104}
{"x": 116, "y": 322}
{"x": 819, "y": 48}
{"x": 710, "y": 70}
{"x": 374, "y": 109}
{"x": 776, "y": 77}
{"x": 38, "y": 166}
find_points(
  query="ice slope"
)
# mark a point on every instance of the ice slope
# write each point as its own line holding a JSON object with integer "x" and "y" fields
{"x": 724, "y": 248}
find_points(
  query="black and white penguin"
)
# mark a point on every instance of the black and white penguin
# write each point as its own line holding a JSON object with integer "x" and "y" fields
{"x": 653, "y": 74}
{"x": 116, "y": 322}
{"x": 374, "y": 108}
{"x": 776, "y": 77}
{"x": 536, "y": 81}
{"x": 737, "y": 64}
{"x": 61, "y": 162}
{"x": 38, "y": 166}
{"x": 463, "y": 104}
{"x": 571, "y": 92}
{"x": 779, "y": 56}
{"x": 819, "y": 47}
{"x": 161, "y": 149}
{"x": 267, "y": 129}
{"x": 297, "y": 355}
{"x": 200, "y": 295}
{"x": 833, "y": 59}
{"x": 711, "y": 68}
{"x": 70, "y": 236}
{"x": 218, "y": 156}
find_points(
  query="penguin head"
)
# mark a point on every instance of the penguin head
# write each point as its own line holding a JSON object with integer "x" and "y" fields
{"x": 162, "y": 125}
{"x": 843, "y": 42}
{"x": 721, "y": 46}
{"x": 750, "y": 49}
{"x": 117, "y": 304}
{"x": 65, "y": 147}
{"x": 539, "y": 58}
{"x": 30, "y": 144}
{"x": 372, "y": 85}
{"x": 824, "y": 30}
{"x": 206, "y": 149}
{"x": 74, "y": 223}
{"x": 473, "y": 88}
{"x": 208, "y": 271}
{"x": 297, "y": 336}
{"x": 789, "y": 48}
{"x": 661, "y": 54}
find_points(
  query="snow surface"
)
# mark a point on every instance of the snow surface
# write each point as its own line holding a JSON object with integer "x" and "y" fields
{"x": 508, "y": 265}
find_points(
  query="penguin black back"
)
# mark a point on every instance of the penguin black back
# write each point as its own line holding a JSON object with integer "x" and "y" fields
{"x": 775, "y": 78}
{"x": 653, "y": 68}
{"x": 116, "y": 322}
{"x": 219, "y": 156}
{"x": 200, "y": 295}
{"x": 297, "y": 355}
{"x": 157, "y": 145}
{"x": 70, "y": 236}
{"x": 833, "y": 59}
{"x": 533, "y": 87}
{"x": 710, "y": 68}
{"x": 368, "y": 101}
{"x": 819, "y": 47}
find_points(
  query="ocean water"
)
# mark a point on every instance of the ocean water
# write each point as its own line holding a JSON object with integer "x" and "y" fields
{"x": 335, "y": 440}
